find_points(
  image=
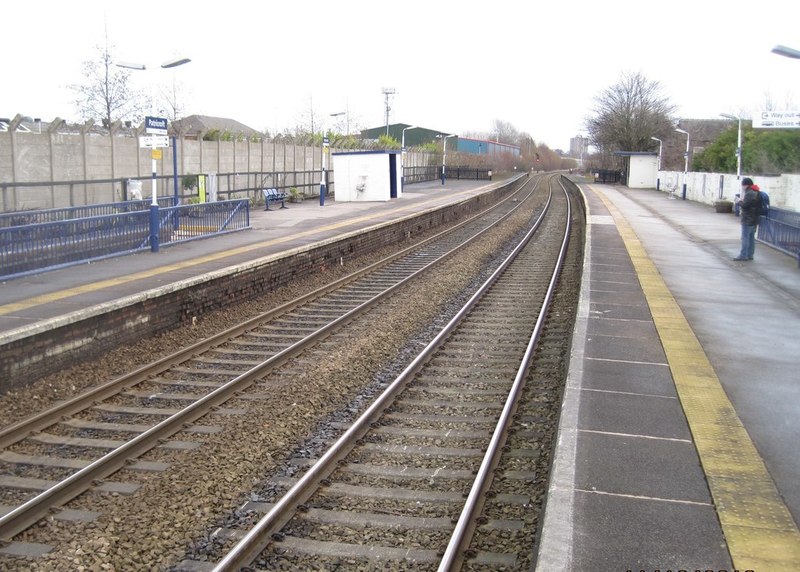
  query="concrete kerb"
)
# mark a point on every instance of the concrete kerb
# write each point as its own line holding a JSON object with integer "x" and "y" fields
{"x": 555, "y": 545}
{"x": 105, "y": 307}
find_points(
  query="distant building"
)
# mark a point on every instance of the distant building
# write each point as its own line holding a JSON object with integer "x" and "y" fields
{"x": 414, "y": 137}
{"x": 423, "y": 135}
{"x": 483, "y": 147}
{"x": 578, "y": 146}
{"x": 195, "y": 126}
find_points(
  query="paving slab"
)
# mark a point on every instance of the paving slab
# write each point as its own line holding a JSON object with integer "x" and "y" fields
{"x": 641, "y": 479}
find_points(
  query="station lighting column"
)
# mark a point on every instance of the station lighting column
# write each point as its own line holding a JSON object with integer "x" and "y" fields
{"x": 658, "y": 167}
{"x": 444, "y": 157}
{"x": 685, "y": 160}
{"x": 403, "y": 156}
{"x": 154, "y": 216}
{"x": 323, "y": 182}
{"x": 738, "y": 144}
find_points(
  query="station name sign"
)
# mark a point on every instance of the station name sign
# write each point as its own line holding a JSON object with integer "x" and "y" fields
{"x": 777, "y": 120}
{"x": 155, "y": 125}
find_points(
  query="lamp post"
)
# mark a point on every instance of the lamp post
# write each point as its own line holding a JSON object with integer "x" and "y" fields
{"x": 658, "y": 167}
{"x": 323, "y": 182}
{"x": 738, "y": 144}
{"x": 685, "y": 160}
{"x": 786, "y": 52}
{"x": 403, "y": 156}
{"x": 154, "y": 217}
{"x": 444, "y": 156}
{"x": 347, "y": 120}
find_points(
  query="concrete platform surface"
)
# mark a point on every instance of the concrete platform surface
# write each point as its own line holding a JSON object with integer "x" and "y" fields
{"x": 35, "y": 299}
{"x": 677, "y": 441}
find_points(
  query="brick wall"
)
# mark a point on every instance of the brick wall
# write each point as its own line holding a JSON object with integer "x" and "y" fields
{"x": 27, "y": 359}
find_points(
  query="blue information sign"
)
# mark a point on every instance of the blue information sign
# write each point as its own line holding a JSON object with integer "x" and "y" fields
{"x": 155, "y": 125}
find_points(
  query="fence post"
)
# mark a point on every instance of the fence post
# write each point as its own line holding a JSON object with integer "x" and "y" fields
{"x": 176, "y": 198}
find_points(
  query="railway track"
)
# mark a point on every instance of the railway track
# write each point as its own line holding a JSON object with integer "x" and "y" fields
{"x": 58, "y": 454}
{"x": 405, "y": 485}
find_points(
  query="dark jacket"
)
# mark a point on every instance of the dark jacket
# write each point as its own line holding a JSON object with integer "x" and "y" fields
{"x": 751, "y": 208}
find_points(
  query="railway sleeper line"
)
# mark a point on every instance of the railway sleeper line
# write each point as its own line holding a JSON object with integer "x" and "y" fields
{"x": 393, "y": 485}
{"x": 194, "y": 370}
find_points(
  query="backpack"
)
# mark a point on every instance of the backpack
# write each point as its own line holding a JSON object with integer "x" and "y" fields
{"x": 764, "y": 198}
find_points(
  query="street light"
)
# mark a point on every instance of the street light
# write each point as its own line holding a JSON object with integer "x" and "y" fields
{"x": 686, "y": 160}
{"x": 658, "y": 168}
{"x": 444, "y": 155}
{"x": 154, "y": 218}
{"x": 786, "y": 52}
{"x": 323, "y": 182}
{"x": 738, "y": 143}
{"x": 403, "y": 155}
{"x": 347, "y": 120}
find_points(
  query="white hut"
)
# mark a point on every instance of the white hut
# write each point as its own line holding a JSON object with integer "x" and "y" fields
{"x": 367, "y": 176}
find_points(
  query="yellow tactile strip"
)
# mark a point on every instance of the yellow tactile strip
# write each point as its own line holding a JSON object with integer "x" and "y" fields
{"x": 760, "y": 531}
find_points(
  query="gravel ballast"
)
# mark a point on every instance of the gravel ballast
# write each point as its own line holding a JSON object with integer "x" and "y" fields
{"x": 151, "y": 528}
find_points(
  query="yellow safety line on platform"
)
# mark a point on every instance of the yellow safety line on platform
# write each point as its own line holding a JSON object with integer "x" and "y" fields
{"x": 95, "y": 286}
{"x": 759, "y": 529}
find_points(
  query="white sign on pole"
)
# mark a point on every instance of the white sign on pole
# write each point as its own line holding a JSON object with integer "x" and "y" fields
{"x": 154, "y": 142}
{"x": 777, "y": 120}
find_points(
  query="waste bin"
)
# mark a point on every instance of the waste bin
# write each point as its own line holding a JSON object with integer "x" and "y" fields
{"x": 134, "y": 190}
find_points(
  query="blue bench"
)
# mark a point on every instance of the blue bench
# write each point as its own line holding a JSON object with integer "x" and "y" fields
{"x": 274, "y": 195}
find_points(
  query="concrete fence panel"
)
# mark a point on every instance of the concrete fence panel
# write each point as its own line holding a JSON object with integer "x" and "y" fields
{"x": 783, "y": 190}
{"x": 39, "y": 159}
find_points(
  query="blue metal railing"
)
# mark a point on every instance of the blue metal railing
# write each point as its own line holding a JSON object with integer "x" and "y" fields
{"x": 781, "y": 229}
{"x": 33, "y": 248}
{"x": 206, "y": 219}
{"x": 22, "y": 218}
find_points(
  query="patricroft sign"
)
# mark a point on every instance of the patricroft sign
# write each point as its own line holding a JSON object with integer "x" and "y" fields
{"x": 777, "y": 120}
{"x": 155, "y": 125}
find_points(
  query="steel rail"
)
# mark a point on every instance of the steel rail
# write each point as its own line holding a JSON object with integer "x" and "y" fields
{"x": 462, "y": 533}
{"x": 23, "y": 428}
{"x": 259, "y": 537}
{"x": 39, "y": 506}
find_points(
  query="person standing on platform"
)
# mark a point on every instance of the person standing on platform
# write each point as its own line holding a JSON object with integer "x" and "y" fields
{"x": 751, "y": 212}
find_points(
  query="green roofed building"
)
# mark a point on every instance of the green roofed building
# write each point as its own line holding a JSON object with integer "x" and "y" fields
{"x": 414, "y": 137}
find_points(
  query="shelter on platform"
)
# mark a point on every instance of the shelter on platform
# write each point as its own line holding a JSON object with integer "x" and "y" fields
{"x": 640, "y": 170}
{"x": 367, "y": 176}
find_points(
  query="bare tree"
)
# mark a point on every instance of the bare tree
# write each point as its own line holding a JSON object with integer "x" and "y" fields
{"x": 106, "y": 93}
{"x": 506, "y": 132}
{"x": 628, "y": 114}
{"x": 308, "y": 121}
{"x": 501, "y": 131}
{"x": 172, "y": 100}
{"x": 770, "y": 104}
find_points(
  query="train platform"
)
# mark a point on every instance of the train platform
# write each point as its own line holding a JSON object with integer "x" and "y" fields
{"x": 37, "y": 302}
{"x": 677, "y": 444}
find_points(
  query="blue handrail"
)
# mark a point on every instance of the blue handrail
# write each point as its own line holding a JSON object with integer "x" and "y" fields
{"x": 32, "y": 248}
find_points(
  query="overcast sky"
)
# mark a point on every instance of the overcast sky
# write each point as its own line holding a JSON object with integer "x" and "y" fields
{"x": 456, "y": 66}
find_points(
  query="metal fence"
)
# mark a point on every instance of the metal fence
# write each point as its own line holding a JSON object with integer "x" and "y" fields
{"x": 468, "y": 173}
{"x": 421, "y": 174}
{"x": 32, "y": 248}
{"x": 781, "y": 229}
{"x": 199, "y": 221}
{"x": 39, "y": 216}
{"x": 433, "y": 173}
{"x": 607, "y": 176}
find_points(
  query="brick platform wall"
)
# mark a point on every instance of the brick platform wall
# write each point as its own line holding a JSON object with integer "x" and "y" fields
{"x": 27, "y": 359}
